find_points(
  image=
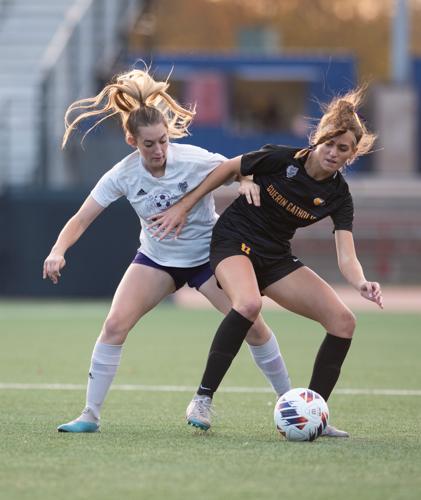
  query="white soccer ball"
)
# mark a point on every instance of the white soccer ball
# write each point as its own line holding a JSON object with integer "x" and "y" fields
{"x": 301, "y": 415}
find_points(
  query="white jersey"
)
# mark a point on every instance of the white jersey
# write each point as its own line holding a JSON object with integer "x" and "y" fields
{"x": 186, "y": 167}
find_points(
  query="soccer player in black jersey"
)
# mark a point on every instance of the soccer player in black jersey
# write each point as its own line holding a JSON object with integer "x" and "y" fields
{"x": 251, "y": 254}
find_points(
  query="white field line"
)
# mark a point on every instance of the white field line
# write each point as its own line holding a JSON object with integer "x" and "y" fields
{"x": 184, "y": 388}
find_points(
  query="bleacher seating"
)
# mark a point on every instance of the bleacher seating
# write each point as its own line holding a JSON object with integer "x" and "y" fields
{"x": 50, "y": 53}
{"x": 26, "y": 29}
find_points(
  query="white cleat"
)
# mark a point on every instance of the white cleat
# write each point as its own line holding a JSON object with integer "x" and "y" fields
{"x": 331, "y": 431}
{"x": 198, "y": 413}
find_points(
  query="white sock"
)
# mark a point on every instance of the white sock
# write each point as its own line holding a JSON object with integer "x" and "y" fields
{"x": 269, "y": 359}
{"x": 104, "y": 363}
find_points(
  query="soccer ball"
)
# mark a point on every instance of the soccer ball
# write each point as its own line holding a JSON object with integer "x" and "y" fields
{"x": 162, "y": 201}
{"x": 301, "y": 415}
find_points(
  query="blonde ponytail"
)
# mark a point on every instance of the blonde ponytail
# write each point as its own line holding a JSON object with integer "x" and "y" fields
{"x": 138, "y": 100}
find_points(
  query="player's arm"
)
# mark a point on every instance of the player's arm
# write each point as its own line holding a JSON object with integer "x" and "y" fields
{"x": 352, "y": 270}
{"x": 68, "y": 236}
{"x": 175, "y": 217}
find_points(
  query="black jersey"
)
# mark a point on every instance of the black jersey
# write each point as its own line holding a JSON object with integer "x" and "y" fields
{"x": 290, "y": 199}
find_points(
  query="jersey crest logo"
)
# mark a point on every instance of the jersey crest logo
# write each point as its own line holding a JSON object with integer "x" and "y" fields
{"x": 246, "y": 249}
{"x": 141, "y": 192}
{"x": 291, "y": 171}
{"x": 159, "y": 202}
{"x": 319, "y": 202}
{"x": 182, "y": 186}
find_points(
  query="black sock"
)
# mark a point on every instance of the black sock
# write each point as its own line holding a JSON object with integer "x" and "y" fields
{"x": 226, "y": 343}
{"x": 327, "y": 365}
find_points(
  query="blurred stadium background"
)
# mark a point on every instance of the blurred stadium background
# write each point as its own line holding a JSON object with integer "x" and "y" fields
{"x": 256, "y": 69}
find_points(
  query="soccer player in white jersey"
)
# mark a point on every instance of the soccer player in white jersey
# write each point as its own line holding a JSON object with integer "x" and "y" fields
{"x": 156, "y": 175}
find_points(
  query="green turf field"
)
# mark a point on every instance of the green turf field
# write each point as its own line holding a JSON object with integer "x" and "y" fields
{"x": 145, "y": 449}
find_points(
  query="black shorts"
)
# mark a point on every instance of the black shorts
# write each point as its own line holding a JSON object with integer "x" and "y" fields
{"x": 267, "y": 270}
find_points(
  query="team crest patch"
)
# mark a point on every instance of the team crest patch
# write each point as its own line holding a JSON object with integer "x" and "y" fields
{"x": 291, "y": 171}
{"x": 159, "y": 202}
{"x": 182, "y": 186}
{"x": 318, "y": 202}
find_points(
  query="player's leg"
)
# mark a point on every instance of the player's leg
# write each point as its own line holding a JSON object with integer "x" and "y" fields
{"x": 139, "y": 291}
{"x": 305, "y": 293}
{"x": 246, "y": 305}
{"x": 261, "y": 340}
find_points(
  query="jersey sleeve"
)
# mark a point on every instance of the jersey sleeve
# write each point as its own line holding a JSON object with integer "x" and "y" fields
{"x": 343, "y": 217}
{"x": 213, "y": 161}
{"x": 205, "y": 164}
{"x": 107, "y": 189}
{"x": 267, "y": 160}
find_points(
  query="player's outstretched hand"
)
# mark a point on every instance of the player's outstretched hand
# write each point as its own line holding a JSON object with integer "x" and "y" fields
{"x": 371, "y": 290}
{"x": 52, "y": 266}
{"x": 172, "y": 219}
{"x": 250, "y": 190}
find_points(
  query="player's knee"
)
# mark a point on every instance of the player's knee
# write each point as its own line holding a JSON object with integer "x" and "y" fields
{"x": 257, "y": 336}
{"x": 114, "y": 330}
{"x": 249, "y": 308}
{"x": 345, "y": 323}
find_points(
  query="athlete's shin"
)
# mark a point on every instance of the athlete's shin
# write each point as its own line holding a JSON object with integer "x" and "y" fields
{"x": 328, "y": 363}
{"x": 104, "y": 363}
{"x": 269, "y": 359}
{"x": 226, "y": 344}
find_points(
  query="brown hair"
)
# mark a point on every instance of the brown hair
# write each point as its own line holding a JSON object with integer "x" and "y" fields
{"x": 139, "y": 101}
{"x": 339, "y": 116}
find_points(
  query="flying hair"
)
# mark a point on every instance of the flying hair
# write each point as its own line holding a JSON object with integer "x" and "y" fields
{"x": 339, "y": 116}
{"x": 138, "y": 100}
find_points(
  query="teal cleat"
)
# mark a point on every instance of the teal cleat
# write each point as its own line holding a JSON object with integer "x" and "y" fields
{"x": 198, "y": 413}
{"x": 79, "y": 426}
{"x": 197, "y": 423}
{"x": 87, "y": 422}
